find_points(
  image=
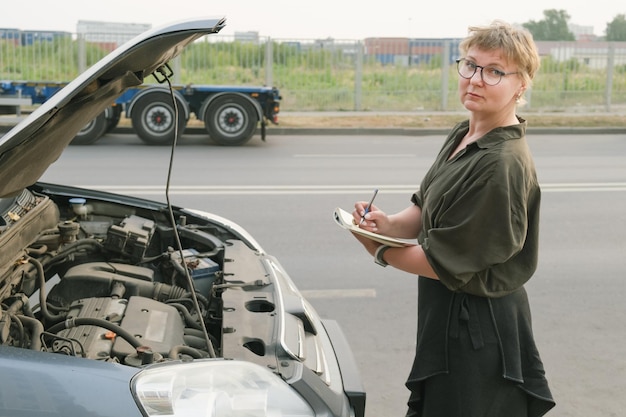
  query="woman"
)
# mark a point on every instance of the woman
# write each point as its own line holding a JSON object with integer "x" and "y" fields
{"x": 476, "y": 218}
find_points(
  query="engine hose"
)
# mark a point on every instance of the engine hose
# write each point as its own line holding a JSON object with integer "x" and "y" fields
{"x": 185, "y": 350}
{"x": 49, "y": 317}
{"x": 37, "y": 251}
{"x": 36, "y": 329}
{"x": 187, "y": 299}
{"x": 88, "y": 321}
{"x": 194, "y": 341}
{"x": 162, "y": 291}
{"x": 192, "y": 337}
{"x": 19, "y": 330}
{"x": 73, "y": 247}
{"x": 194, "y": 332}
{"x": 202, "y": 299}
{"x": 188, "y": 319}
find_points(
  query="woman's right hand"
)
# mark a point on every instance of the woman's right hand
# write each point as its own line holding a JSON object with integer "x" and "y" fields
{"x": 375, "y": 220}
{"x": 405, "y": 224}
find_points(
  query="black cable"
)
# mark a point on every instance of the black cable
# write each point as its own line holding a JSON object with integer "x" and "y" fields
{"x": 89, "y": 321}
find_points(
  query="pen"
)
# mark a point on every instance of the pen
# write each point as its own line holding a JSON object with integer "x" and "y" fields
{"x": 369, "y": 206}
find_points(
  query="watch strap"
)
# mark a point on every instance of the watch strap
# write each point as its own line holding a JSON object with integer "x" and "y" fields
{"x": 378, "y": 255}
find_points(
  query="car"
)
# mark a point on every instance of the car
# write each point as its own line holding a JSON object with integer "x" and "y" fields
{"x": 113, "y": 305}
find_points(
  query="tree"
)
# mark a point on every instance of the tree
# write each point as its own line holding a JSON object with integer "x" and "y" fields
{"x": 552, "y": 28}
{"x": 616, "y": 29}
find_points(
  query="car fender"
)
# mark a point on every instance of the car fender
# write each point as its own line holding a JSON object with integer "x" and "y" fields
{"x": 44, "y": 384}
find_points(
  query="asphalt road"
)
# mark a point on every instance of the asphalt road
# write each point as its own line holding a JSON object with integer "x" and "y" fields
{"x": 284, "y": 191}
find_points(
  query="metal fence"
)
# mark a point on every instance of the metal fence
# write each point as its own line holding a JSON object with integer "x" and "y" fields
{"x": 375, "y": 74}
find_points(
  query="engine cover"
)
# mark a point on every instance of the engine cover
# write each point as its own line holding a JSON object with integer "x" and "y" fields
{"x": 157, "y": 325}
{"x": 95, "y": 342}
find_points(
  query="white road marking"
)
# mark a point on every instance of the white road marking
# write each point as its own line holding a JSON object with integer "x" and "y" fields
{"x": 356, "y": 155}
{"x": 353, "y": 293}
{"x": 322, "y": 189}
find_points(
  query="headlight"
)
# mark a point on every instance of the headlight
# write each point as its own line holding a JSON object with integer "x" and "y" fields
{"x": 216, "y": 388}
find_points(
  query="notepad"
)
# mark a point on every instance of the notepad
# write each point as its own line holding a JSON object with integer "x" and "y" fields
{"x": 346, "y": 221}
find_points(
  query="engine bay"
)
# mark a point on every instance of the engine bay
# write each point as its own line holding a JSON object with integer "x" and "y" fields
{"x": 108, "y": 281}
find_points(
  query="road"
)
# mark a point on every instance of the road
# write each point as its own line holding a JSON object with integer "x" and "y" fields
{"x": 284, "y": 191}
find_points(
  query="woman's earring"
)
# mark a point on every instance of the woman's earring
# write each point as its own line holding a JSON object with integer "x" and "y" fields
{"x": 518, "y": 99}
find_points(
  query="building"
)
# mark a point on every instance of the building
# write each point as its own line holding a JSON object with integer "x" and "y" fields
{"x": 29, "y": 37}
{"x": 582, "y": 33}
{"x": 596, "y": 55}
{"x": 411, "y": 51}
{"x": 109, "y": 35}
{"x": 247, "y": 37}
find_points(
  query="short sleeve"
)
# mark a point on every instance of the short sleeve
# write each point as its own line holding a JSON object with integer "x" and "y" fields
{"x": 479, "y": 241}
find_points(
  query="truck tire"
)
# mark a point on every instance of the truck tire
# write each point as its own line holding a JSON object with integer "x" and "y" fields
{"x": 92, "y": 131}
{"x": 230, "y": 120}
{"x": 113, "y": 119}
{"x": 153, "y": 118}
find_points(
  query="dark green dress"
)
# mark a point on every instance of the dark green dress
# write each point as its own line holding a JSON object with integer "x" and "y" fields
{"x": 476, "y": 354}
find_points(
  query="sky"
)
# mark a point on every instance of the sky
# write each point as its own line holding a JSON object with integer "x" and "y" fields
{"x": 319, "y": 19}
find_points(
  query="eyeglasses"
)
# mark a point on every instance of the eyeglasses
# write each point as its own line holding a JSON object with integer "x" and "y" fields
{"x": 489, "y": 75}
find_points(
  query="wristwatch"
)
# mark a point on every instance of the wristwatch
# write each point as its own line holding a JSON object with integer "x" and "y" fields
{"x": 378, "y": 255}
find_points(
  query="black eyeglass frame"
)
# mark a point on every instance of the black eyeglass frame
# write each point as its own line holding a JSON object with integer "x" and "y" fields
{"x": 476, "y": 66}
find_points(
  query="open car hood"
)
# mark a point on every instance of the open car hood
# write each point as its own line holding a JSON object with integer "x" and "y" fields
{"x": 28, "y": 149}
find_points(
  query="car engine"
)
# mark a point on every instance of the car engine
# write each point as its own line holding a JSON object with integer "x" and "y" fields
{"x": 109, "y": 281}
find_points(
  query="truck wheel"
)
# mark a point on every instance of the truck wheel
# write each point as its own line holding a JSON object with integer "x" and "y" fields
{"x": 230, "y": 120}
{"x": 113, "y": 118}
{"x": 92, "y": 131}
{"x": 153, "y": 118}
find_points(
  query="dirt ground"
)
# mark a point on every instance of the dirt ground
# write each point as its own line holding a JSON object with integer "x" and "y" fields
{"x": 433, "y": 120}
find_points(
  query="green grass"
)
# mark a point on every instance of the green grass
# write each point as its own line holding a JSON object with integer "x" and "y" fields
{"x": 314, "y": 78}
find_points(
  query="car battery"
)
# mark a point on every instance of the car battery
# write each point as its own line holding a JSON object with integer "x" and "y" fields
{"x": 202, "y": 270}
{"x": 131, "y": 237}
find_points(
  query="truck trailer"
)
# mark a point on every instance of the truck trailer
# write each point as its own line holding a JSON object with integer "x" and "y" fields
{"x": 231, "y": 114}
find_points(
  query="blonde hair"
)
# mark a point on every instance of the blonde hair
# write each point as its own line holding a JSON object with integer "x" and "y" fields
{"x": 516, "y": 43}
